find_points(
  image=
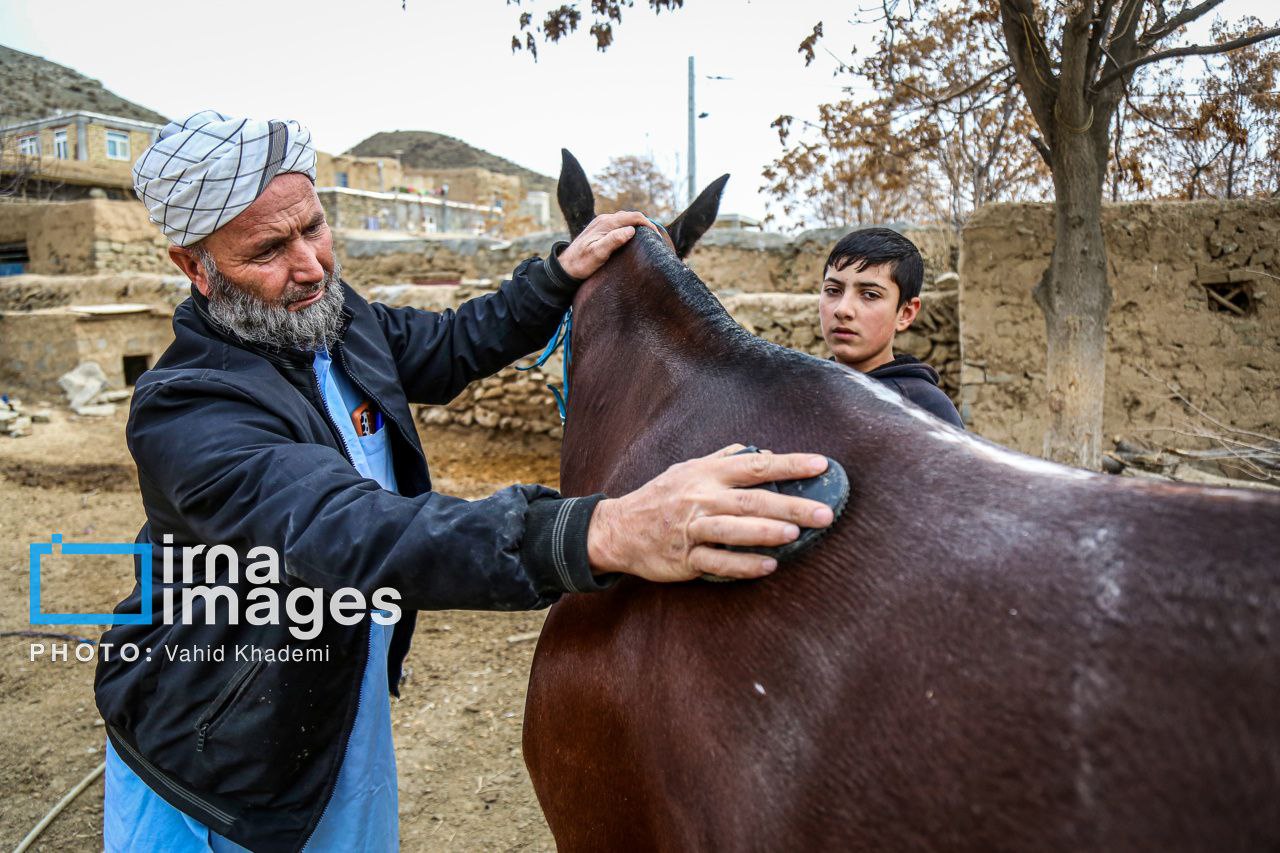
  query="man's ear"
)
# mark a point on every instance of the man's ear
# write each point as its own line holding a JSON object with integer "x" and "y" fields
{"x": 186, "y": 260}
{"x": 573, "y": 191}
{"x": 907, "y": 313}
{"x": 689, "y": 226}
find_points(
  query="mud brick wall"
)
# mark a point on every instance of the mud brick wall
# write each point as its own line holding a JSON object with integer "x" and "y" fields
{"x": 1164, "y": 259}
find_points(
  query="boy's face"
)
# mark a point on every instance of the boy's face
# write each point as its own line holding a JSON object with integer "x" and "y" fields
{"x": 860, "y": 315}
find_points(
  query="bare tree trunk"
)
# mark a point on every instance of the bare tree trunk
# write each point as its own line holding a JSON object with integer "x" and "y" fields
{"x": 1075, "y": 298}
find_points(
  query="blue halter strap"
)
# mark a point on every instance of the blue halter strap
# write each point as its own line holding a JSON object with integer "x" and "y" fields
{"x": 563, "y": 333}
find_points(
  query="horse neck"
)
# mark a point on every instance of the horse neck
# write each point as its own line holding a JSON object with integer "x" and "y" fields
{"x": 645, "y": 330}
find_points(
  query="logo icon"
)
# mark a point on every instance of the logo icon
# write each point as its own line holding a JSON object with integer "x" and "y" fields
{"x": 38, "y": 550}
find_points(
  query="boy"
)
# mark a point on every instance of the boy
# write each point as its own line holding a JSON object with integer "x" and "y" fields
{"x": 870, "y": 292}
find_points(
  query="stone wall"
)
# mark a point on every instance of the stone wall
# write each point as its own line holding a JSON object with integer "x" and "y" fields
{"x": 1164, "y": 327}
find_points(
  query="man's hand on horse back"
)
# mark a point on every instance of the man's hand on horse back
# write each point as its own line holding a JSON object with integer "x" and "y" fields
{"x": 668, "y": 529}
{"x": 605, "y": 234}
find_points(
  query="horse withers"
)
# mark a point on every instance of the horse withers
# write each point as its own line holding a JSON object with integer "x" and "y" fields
{"x": 987, "y": 651}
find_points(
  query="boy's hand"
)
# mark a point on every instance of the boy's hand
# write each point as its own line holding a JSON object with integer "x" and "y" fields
{"x": 667, "y": 529}
{"x": 601, "y": 238}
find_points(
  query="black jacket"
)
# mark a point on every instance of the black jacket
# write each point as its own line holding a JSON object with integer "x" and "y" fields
{"x": 918, "y": 382}
{"x": 234, "y": 446}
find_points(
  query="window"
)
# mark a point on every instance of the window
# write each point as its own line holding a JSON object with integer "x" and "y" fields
{"x": 342, "y": 179}
{"x": 60, "y": 145}
{"x": 117, "y": 145}
{"x": 29, "y": 145}
{"x": 133, "y": 367}
{"x": 13, "y": 258}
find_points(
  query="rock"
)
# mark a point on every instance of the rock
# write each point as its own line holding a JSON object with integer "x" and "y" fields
{"x": 41, "y": 416}
{"x": 101, "y": 410}
{"x": 7, "y": 416}
{"x": 435, "y": 415}
{"x": 19, "y": 427}
{"x": 112, "y": 396}
{"x": 972, "y": 375}
{"x": 83, "y": 383}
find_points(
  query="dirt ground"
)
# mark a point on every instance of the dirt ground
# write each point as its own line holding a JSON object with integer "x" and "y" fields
{"x": 463, "y": 784}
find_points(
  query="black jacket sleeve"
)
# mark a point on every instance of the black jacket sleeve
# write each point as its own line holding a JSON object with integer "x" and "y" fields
{"x": 439, "y": 353}
{"x": 252, "y": 483}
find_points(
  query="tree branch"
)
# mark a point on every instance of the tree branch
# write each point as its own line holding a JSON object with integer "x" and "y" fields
{"x": 1186, "y": 16}
{"x": 1097, "y": 38}
{"x": 1035, "y": 76}
{"x": 1190, "y": 50}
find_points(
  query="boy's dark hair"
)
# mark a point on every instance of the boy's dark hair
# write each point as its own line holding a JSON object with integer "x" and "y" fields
{"x": 871, "y": 247}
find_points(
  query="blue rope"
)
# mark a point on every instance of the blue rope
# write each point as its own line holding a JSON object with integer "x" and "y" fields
{"x": 563, "y": 333}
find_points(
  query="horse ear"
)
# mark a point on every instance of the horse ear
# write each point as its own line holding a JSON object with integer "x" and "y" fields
{"x": 577, "y": 202}
{"x": 689, "y": 226}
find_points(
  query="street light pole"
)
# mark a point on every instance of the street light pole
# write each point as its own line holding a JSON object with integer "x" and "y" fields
{"x": 693, "y": 143}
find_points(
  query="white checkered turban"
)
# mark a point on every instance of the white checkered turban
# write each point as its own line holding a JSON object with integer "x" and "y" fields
{"x": 204, "y": 171}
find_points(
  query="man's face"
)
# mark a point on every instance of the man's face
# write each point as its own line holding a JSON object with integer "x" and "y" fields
{"x": 279, "y": 248}
{"x": 270, "y": 274}
{"x": 859, "y": 313}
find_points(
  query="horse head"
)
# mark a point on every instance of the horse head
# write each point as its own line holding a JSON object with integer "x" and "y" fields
{"x": 578, "y": 204}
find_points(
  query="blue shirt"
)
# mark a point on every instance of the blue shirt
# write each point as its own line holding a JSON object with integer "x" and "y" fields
{"x": 363, "y": 813}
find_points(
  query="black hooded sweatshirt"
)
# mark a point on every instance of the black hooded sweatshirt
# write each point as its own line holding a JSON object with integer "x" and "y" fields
{"x": 918, "y": 382}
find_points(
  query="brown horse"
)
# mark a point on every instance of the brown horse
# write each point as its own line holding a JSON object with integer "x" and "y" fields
{"x": 987, "y": 651}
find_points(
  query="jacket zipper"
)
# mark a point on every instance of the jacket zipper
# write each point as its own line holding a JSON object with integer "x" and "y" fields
{"x": 346, "y": 450}
{"x": 170, "y": 784}
{"x": 225, "y": 698}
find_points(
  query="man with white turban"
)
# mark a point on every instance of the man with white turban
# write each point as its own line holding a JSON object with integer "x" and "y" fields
{"x": 278, "y": 423}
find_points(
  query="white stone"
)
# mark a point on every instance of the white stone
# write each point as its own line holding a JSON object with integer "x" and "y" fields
{"x": 83, "y": 383}
{"x": 101, "y": 410}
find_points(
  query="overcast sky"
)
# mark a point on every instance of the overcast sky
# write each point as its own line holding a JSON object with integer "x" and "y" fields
{"x": 351, "y": 68}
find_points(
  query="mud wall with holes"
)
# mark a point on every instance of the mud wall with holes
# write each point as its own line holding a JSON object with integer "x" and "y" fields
{"x": 1196, "y": 313}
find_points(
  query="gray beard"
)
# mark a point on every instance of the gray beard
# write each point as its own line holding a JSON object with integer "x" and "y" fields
{"x": 272, "y": 324}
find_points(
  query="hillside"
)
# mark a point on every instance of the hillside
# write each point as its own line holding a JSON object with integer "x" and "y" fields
{"x": 422, "y": 149}
{"x": 31, "y": 88}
